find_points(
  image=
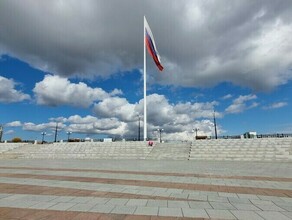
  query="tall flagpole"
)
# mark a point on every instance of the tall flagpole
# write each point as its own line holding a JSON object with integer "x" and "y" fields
{"x": 145, "y": 101}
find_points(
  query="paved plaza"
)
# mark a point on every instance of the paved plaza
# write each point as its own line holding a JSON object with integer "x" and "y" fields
{"x": 144, "y": 189}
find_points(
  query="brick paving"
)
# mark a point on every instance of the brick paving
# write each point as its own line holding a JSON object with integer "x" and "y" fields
{"x": 99, "y": 189}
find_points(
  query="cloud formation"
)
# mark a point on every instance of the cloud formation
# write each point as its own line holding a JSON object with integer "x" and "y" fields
{"x": 8, "y": 92}
{"x": 275, "y": 105}
{"x": 56, "y": 90}
{"x": 247, "y": 43}
{"x": 242, "y": 103}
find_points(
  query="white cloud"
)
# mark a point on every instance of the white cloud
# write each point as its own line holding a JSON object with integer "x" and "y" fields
{"x": 9, "y": 132}
{"x": 228, "y": 96}
{"x": 275, "y": 105}
{"x": 55, "y": 90}
{"x": 13, "y": 124}
{"x": 8, "y": 93}
{"x": 241, "y": 104}
{"x": 29, "y": 126}
{"x": 208, "y": 42}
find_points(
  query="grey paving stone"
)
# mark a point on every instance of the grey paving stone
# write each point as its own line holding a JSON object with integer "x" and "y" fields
{"x": 117, "y": 201}
{"x": 40, "y": 198}
{"x": 81, "y": 207}
{"x": 102, "y": 208}
{"x": 198, "y": 197}
{"x": 63, "y": 199}
{"x": 81, "y": 199}
{"x": 229, "y": 195}
{"x": 246, "y": 215}
{"x": 179, "y": 195}
{"x": 98, "y": 200}
{"x": 124, "y": 210}
{"x": 220, "y": 214}
{"x": 146, "y": 211}
{"x": 62, "y": 206}
{"x": 177, "y": 204}
{"x": 261, "y": 202}
{"x": 200, "y": 205}
{"x": 239, "y": 200}
{"x": 43, "y": 205}
{"x": 137, "y": 202}
{"x": 222, "y": 205}
{"x": 271, "y": 207}
{"x": 194, "y": 213}
{"x": 247, "y": 207}
{"x": 217, "y": 199}
{"x": 272, "y": 215}
{"x": 288, "y": 214}
{"x": 171, "y": 212}
{"x": 248, "y": 196}
{"x": 156, "y": 203}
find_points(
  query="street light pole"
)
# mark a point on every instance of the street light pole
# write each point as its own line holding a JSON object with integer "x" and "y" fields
{"x": 43, "y": 138}
{"x": 196, "y": 130}
{"x": 56, "y": 132}
{"x": 68, "y": 133}
{"x": 215, "y": 126}
{"x": 139, "y": 117}
{"x": 160, "y": 130}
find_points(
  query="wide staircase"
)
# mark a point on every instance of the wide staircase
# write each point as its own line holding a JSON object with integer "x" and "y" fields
{"x": 262, "y": 149}
{"x": 90, "y": 150}
{"x": 266, "y": 149}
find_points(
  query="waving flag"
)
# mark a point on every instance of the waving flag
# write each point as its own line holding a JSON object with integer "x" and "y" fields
{"x": 151, "y": 47}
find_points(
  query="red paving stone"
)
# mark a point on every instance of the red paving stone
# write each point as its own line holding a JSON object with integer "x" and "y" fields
{"x": 35, "y": 214}
{"x": 201, "y": 187}
{"x": 263, "y": 178}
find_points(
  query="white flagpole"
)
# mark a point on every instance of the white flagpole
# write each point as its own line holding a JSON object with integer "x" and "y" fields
{"x": 145, "y": 101}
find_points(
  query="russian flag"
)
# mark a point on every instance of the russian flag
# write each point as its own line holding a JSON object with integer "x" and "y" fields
{"x": 150, "y": 44}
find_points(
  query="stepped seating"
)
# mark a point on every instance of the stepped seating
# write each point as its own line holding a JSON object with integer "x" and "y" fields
{"x": 172, "y": 151}
{"x": 269, "y": 149}
{"x": 266, "y": 149}
{"x": 4, "y": 147}
{"x": 92, "y": 150}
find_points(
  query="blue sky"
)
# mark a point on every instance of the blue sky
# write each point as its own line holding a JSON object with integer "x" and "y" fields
{"x": 86, "y": 74}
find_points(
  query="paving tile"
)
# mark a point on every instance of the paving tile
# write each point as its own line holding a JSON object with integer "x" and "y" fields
{"x": 61, "y": 206}
{"x": 177, "y": 204}
{"x": 220, "y": 214}
{"x": 246, "y": 215}
{"x": 200, "y": 205}
{"x": 194, "y": 213}
{"x": 137, "y": 202}
{"x": 271, "y": 207}
{"x": 98, "y": 200}
{"x": 156, "y": 203}
{"x": 117, "y": 201}
{"x": 172, "y": 212}
{"x": 272, "y": 215}
{"x": 217, "y": 199}
{"x": 43, "y": 205}
{"x": 222, "y": 205}
{"x": 63, "y": 199}
{"x": 102, "y": 208}
{"x": 124, "y": 210}
{"x": 81, "y": 207}
{"x": 288, "y": 214}
{"x": 247, "y": 207}
{"x": 146, "y": 211}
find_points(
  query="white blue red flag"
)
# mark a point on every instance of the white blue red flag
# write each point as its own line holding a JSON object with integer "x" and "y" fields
{"x": 150, "y": 44}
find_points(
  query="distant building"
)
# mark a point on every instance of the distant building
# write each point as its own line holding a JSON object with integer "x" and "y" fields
{"x": 250, "y": 134}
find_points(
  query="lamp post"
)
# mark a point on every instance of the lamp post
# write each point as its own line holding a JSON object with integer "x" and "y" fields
{"x": 56, "y": 132}
{"x": 68, "y": 133}
{"x": 196, "y": 131}
{"x": 139, "y": 118}
{"x": 43, "y": 138}
{"x": 160, "y": 130}
{"x": 215, "y": 126}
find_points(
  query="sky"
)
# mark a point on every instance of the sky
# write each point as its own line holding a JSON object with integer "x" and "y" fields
{"x": 80, "y": 64}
